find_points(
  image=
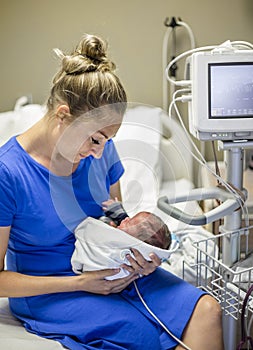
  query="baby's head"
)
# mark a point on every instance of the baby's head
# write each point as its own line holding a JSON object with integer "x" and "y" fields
{"x": 149, "y": 228}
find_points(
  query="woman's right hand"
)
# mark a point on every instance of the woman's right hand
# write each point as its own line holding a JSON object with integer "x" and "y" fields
{"x": 95, "y": 282}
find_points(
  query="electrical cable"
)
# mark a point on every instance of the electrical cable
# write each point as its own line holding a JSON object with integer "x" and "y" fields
{"x": 179, "y": 57}
{"x": 250, "y": 324}
{"x": 245, "y": 338}
{"x": 203, "y": 162}
{"x": 238, "y": 44}
{"x": 171, "y": 29}
{"x": 164, "y": 64}
{"x": 158, "y": 320}
{"x": 244, "y": 44}
{"x": 190, "y": 32}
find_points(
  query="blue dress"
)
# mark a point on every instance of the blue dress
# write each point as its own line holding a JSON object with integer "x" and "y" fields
{"x": 43, "y": 209}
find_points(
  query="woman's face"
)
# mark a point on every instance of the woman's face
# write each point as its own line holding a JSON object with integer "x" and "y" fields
{"x": 94, "y": 144}
{"x": 82, "y": 139}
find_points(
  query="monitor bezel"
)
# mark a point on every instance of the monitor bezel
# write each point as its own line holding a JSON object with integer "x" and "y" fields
{"x": 200, "y": 125}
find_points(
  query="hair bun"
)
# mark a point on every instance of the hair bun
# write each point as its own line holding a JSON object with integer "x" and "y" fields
{"x": 92, "y": 47}
{"x": 90, "y": 55}
{"x": 93, "y": 51}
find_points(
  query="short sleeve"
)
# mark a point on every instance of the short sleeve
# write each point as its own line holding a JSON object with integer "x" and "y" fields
{"x": 116, "y": 168}
{"x": 7, "y": 197}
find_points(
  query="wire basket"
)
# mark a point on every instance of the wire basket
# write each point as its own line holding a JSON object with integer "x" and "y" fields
{"x": 228, "y": 285}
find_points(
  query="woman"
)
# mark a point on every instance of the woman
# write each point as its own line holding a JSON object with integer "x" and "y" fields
{"x": 52, "y": 177}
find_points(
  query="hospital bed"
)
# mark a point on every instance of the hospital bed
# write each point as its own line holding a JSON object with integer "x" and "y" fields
{"x": 155, "y": 153}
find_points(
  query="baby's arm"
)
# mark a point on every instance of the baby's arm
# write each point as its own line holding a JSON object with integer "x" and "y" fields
{"x": 114, "y": 210}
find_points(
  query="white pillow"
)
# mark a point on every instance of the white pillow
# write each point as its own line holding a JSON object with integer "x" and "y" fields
{"x": 138, "y": 145}
{"x": 17, "y": 121}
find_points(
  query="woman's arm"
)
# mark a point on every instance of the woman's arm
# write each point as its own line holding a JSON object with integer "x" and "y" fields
{"x": 14, "y": 284}
{"x": 4, "y": 239}
{"x": 115, "y": 191}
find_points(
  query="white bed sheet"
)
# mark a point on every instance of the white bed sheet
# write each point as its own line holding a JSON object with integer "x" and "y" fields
{"x": 13, "y": 335}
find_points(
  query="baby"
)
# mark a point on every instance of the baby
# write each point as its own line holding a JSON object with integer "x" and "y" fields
{"x": 145, "y": 226}
{"x": 99, "y": 246}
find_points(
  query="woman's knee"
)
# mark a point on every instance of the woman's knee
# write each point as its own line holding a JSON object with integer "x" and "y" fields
{"x": 204, "y": 330}
{"x": 209, "y": 308}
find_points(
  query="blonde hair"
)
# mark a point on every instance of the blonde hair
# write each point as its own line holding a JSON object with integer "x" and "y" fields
{"x": 86, "y": 79}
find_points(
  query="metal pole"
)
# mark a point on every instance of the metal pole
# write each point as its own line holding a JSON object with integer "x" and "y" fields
{"x": 234, "y": 164}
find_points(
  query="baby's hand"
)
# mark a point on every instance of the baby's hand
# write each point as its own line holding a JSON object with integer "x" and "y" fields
{"x": 107, "y": 203}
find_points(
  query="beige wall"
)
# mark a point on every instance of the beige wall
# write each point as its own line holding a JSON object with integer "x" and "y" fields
{"x": 29, "y": 29}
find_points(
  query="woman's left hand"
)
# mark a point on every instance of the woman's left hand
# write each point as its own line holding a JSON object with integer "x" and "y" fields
{"x": 140, "y": 265}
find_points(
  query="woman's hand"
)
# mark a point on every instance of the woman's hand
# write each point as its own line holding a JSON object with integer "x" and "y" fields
{"x": 141, "y": 266}
{"x": 95, "y": 282}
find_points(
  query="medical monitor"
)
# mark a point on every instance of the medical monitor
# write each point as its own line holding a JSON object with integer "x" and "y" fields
{"x": 221, "y": 107}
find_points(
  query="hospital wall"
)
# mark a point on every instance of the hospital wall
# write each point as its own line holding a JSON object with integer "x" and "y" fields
{"x": 30, "y": 29}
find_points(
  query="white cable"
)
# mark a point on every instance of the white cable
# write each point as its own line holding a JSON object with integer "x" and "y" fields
{"x": 190, "y": 32}
{"x": 173, "y": 105}
{"x": 165, "y": 58}
{"x": 177, "y": 92}
{"x": 157, "y": 319}
{"x": 164, "y": 64}
{"x": 179, "y": 57}
{"x": 203, "y": 162}
{"x": 244, "y": 44}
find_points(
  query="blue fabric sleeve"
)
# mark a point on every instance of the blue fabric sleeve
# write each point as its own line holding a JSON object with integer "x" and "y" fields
{"x": 116, "y": 169}
{"x": 7, "y": 196}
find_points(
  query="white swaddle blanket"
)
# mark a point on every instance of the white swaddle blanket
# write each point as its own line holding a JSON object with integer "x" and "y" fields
{"x": 100, "y": 246}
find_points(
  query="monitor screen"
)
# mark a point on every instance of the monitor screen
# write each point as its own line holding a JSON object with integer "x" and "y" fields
{"x": 230, "y": 92}
{"x": 221, "y": 105}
